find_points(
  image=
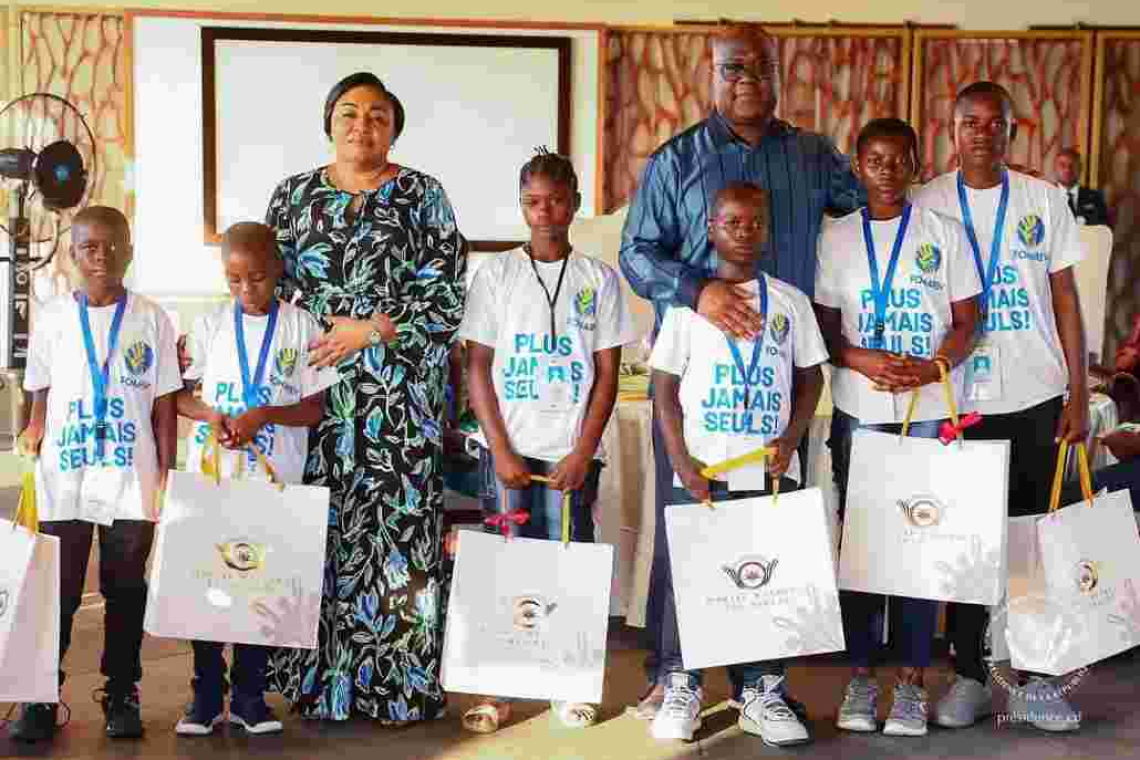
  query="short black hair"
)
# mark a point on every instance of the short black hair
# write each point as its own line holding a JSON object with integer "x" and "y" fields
{"x": 362, "y": 79}
{"x": 109, "y": 217}
{"x": 889, "y": 128}
{"x": 250, "y": 236}
{"x": 554, "y": 167}
{"x": 987, "y": 89}
{"x": 738, "y": 190}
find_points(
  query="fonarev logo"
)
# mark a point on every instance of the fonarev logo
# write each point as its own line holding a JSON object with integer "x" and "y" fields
{"x": 285, "y": 363}
{"x": 922, "y": 511}
{"x": 781, "y": 325}
{"x": 751, "y": 572}
{"x": 928, "y": 258}
{"x": 138, "y": 358}
{"x": 586, "y": 303}
{"x": 242, "y": 555}
{"x": 1031, "y": 231}
{"x": 530, "y": 611}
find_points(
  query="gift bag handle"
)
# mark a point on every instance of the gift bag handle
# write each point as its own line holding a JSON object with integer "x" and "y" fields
{"x": 1059, "y": 474}
{"x": 565, "y": 508}
{"x": 947, "y": 391}
{"x": 759, "y": 456}
{"x": 211, "y": 465}
{"x": 27, "y": 513}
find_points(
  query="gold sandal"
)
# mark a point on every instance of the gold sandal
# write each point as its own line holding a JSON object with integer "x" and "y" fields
{"x": 573, "y": 714}
{"x": 487, "y": 716}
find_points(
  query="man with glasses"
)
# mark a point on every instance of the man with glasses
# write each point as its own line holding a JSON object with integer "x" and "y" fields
{"x": 667, "y": 257}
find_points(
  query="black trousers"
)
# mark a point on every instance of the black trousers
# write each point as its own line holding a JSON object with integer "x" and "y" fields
{"x": 123, "y": 551}
{"x": 1033, "y": 458}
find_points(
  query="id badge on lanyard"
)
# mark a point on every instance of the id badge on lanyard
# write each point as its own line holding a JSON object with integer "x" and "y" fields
{"x": 984, "y": 368}
{"x": 251, "y": 386}
{"x": 555, "y": 382}
{"x": 752, "y": 477}
{"x": 101, "y": 489}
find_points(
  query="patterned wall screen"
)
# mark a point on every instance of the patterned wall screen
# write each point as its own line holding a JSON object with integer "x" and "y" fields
{"x": 1118, "y": 173}
{"x": 1048, "y": 74}
{"x": 657, "y": 84}
{"x": 82, "y": 57}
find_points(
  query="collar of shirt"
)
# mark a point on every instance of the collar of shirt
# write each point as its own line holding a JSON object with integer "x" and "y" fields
{"x": 722, "y": 135}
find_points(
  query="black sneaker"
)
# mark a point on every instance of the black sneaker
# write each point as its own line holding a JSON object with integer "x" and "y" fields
{"x": 254, "y": 716}
{"x": 35, "y": 724}
{"x": 201, "y": 715}
{"x": 121, "y": 709}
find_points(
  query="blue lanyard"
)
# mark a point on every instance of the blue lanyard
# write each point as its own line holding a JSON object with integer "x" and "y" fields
{"x": 986, "y": 273}
{"x": 757, "y": 347}
{"x": 881, "y": 292}
{"x": 249, "y": 388}
{"x": 100, "y": 376}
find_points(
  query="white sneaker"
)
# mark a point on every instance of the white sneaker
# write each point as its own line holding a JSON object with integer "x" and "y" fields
{"x": 680, "y": 713}
{"x": 908, "y": 712}
{"x": 966, "y": 701}
{"x": 766, "y": 714}
{"x": 860, "y": 705}
{"x": 1044, "y": 706}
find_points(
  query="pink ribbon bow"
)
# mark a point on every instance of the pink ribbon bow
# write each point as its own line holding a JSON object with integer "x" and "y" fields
{"x": 505, "y": 520}
{"x": 949, "y": 431}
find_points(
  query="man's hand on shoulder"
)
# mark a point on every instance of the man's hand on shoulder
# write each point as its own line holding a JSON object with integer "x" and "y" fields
{"x": 729, "y": 307}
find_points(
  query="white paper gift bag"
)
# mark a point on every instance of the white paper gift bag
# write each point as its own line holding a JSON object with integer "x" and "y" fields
{"x": 924, "y": 519}
{"x": 1090, "y": 563}
{"x": 754, "y": 579}
{"x": 238, "y": 561}
{"x": 527, "y": 618}
{"x": 29, "y": 615}
{"x": 1024, "y": 587}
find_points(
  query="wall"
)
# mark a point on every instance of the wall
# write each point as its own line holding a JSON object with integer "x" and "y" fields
{"x": 968, "y": 14}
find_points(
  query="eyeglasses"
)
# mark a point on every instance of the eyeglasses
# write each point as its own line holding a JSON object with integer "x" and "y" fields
{"x": 88, "y": 249}
{"x": 733, "y": 71}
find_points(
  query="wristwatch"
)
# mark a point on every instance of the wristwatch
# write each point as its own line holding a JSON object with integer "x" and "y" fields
{"x": 374, "y": 337}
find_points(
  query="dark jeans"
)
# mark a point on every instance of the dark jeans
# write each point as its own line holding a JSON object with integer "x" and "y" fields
{"x": 1033, "y": 458}
{"x": 542, "y": 503}
{"x": 247, "y": 671}
{"x": 1124, "y": 476}
{"x": 661, "y": 610}
{"x": 863, "y": 613}
{"x": 123, "y": 551}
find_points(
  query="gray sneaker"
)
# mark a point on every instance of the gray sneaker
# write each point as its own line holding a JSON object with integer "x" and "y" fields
{"x": 908, "y": 712}
{"x": 680, "y": 713}
{"x": 966, "y": 701}
{"x": 860, "y": 703}
{"x": 766, "y": 714}
{"x": 1042, "y": 704}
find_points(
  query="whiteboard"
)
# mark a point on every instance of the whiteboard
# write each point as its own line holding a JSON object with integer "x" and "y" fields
{"x": 476, "y": 107}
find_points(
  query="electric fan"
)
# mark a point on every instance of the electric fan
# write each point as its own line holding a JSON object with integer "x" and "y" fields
{"x": 47, "y": 154}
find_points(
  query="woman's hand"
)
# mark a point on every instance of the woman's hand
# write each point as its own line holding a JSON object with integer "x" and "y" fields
{"x": 917, "y": 372}
{"x": 344, "y": 338}
{"x": 880, "y": 368}
{"x": 244, "y": 428}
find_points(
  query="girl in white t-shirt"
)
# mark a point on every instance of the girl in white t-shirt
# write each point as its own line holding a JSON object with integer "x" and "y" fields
{"x": 896, "y": 296}
{"x": 258, "y": 390}
{"x": 103, "y": 370}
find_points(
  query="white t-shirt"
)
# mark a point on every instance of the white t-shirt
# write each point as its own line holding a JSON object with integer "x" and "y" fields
{"x": 1041, "y": 237}
{"x": 934, "y": 270}
{"x": 144, "y": 368}
{"x": 212, "y": 345}
{"x": 543, "y": 387}
{"x": 718, "y": 425}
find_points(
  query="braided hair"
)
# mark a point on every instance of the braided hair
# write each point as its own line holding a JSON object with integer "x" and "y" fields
{"x": 890, "y": 128}
{"x": 554, "y": 167}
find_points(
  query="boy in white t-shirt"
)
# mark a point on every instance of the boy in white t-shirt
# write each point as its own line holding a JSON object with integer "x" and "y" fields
{"x": 103, "y": 371}
{"x": 718, "y": 398}
{"x": 896, "y": 295}
{"x": 544, "y": 328}
{"x": 1024, "y": 241}
{"x": 258, "y": 391}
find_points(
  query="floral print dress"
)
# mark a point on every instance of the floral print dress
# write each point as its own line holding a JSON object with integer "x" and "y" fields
{"x": 378, "y": 447}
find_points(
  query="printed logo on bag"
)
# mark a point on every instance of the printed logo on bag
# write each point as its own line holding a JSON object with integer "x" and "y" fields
{"x": 1031, "y": 231}
{"x": 780, "y": 328}
{"x": 138, "y": 358}
{"x": 585, "y": 309}
{"x": 3, "y": 602}
{"x": 1087, "y": 575}
{"x": 922, "y": 511}
{"x": 242, "y": 555}
{"x": 751, "y": 572}
{"x": 530, "y": 612}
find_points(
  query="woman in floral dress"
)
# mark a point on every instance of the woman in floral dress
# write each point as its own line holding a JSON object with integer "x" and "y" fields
{"x": 372, "y": 249}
